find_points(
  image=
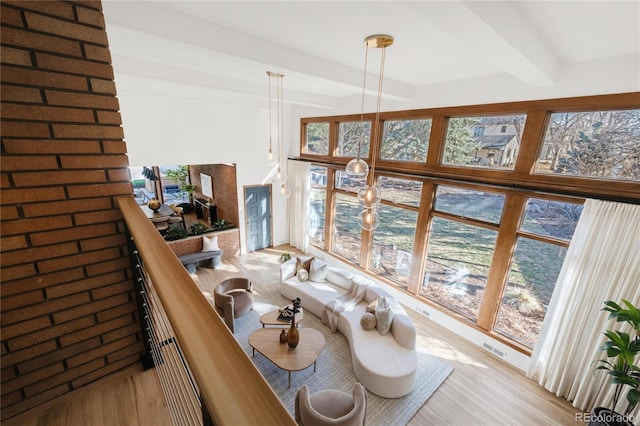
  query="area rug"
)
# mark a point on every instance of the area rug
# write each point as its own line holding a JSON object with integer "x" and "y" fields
{"x": 335, "y": 371}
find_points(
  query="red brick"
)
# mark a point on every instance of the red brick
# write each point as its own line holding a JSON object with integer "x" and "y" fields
{"x": 51, "y": 146}
{"x": 119, "y": 175}
{"x": 27, "y": 404}
{"x": 98, "y": 217}
{"x": 10, "y": 16}
{"x": 76, "y": 233}
{"x": 56, "y": 355}
{"x": 10, "y": 93}
{"x": 87, "y": 131}
{"x": 39, "y": 78}
{"x": 26, "y": 195}
{"x": 4, "y": 180}
{"x": 86, "y": 100}
{"x": 101, "y": 351}
{"x": 46, "y": 113}
{"x": 24, "y": 328}
{"x": 96, "y": 330}
{"x": 33, "y": 377}
{"x": 24, "y": 226}
{"x": 41, "y": 281}
{"x": 34, "y": 337}
{"x": 90, "y": 308}
{"x": 117, "y": 240}
{"x": 91, "y": 4}
{"x": 65, "y": 29}
{"x": 25, "y": 129}
{"x": 72, "y": 286}
{"x": 65, "y": 376}
{"x": 47, "y": 348}
{"x": 51, "y": 265}
{"x": 58, "y": 177}
{"x": 10, "y": 399}
{"x": 90, "y": 16}
{"x": 109, "y": 117}
{"x": 8, "y": 213}
{"x": 129, "y": 308}
{"x": 27, "y": 162}
{"x": 130, "y": 330}
{"x": 13, "y": 56}
{"x": 20, "y": 301}
{"x": 105, "y": 267}
{"x": 31, "y": 40}
{"x": 12, "y": 243}
{"x": 67, "y": 206}
{"x": 74, "y": 66}
{"x": 16, "y": 272}
{"x": 115, "y": 147}
{"x": 7, "y": 373}
{"x": 28, "y": 255}
{"x": 47, "y": 307}
{"x": 103, "y": 86}
{"x": 118, "y": 288}
{"x": 97, "y": 53}
{"x": 100, "y": 190}
{"x": 105, "y": 371}
{"x": 60, "y": 9}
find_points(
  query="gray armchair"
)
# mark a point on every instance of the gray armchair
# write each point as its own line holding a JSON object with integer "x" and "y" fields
{"x": 331, "y": 407}
{"x": 233, "y": 298}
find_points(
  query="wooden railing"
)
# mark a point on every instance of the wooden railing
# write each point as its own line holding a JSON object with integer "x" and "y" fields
{"x": 230, "y": 386}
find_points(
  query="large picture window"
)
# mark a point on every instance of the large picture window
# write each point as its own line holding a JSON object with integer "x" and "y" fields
{"x": 478, "y": 204}
{"x": 317, "y": 139}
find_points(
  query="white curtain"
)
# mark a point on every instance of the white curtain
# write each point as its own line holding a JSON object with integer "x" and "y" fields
{"x": 602, "y": 263}
{"x": 298, "y": 224}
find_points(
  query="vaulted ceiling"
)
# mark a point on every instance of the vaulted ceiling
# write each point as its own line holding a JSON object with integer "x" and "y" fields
{"x": 226, "y": 47}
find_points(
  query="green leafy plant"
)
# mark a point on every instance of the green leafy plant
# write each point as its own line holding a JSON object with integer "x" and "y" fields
{"x": 285, "y": 256}
{"x": 181, "y": 176}
{"x": 198, "y": 228}
{"x": 221, "y": 224}
{"x": 176, "y": 233}
{"x": 622, "y": 349}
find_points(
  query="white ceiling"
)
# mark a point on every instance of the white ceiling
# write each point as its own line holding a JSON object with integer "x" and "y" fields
{"x": 226, "y": 47}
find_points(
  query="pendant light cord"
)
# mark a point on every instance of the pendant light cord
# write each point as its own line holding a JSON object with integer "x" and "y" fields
{"x": 377, "y": 119}
{"x": 364, "y": 86}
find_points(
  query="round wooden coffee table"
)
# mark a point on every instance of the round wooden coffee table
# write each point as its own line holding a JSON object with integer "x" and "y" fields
{"x": 267, "y": 342}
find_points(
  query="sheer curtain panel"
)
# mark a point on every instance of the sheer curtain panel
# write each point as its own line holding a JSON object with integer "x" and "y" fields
{"x": 298, "y": 172}
{"x": 602, "y": 263}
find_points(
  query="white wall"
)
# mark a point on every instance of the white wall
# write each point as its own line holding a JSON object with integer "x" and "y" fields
{"x": 167, "y": 123}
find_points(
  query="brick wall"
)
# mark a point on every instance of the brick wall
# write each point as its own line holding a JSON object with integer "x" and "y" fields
{"x": 68, "y": 310}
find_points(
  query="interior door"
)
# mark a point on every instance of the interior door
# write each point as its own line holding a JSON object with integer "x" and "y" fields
{"x": 258, "y": 210}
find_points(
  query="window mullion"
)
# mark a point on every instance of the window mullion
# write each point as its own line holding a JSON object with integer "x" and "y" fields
{"x": 498, "y": 272}
{"x": 419, "y": 255}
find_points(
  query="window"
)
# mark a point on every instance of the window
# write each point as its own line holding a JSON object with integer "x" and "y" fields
{"x": 489, "y": 141}
{"x": 317, "y": 139}
{"x": 458, "y": 260}
{"x": 600, "y": 144}
{"x": 347, "y": 234}
{"x": 317, "y": 204}
{"x": 535, "y": 267}
{"x": 405, "y": 140}
{"x": 354, "y": 137}
{"x": 463, "y": 202}
{"x": 400, "y": 191}
{"x": 346, "y": 182}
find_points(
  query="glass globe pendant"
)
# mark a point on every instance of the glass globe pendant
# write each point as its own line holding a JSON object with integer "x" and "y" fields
{"x": 368, "y": 219}
{"x": 370, "y": 196}
{"x": 357, "y": 168}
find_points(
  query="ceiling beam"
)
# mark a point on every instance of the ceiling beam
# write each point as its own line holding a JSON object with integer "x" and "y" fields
{"x": 495, "y": 32}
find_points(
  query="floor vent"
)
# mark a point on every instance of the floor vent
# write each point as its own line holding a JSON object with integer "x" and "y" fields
{"x": 492, "y": 349}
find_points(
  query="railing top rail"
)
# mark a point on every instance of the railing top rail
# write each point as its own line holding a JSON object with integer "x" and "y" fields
{"x": 231, "y": 387}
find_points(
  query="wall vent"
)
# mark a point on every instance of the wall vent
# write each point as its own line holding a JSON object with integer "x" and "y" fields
{"x": 494, "y": 350}
{"x": 422, "y": 311}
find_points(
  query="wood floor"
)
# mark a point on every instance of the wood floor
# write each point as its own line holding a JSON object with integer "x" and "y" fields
{"x": 481, "y": 390}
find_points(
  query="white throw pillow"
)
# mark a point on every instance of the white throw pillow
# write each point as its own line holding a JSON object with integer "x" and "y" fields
{"x": 210, "y": 243}
{"x": 384, "y": 316}
{"x": 318, "y": 271}
{"x": 302, "y": 275}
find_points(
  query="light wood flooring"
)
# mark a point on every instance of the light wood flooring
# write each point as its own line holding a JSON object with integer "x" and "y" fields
{"x": 481, "y": 390}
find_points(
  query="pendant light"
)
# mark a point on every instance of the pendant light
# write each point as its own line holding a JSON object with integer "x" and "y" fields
{"x": 270, "y": 152}
{"x": 370, "y": 194}
{"x": 280, "y": 174}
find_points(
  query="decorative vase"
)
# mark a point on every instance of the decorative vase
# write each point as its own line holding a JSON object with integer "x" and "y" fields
{"x": 293, "y": 336}
{"x": 283, "y": 336}
{"x": 154, "y": 204}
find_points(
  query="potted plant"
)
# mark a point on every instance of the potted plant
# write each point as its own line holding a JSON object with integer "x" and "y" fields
{"x": 621, "y": 364}
{"x": 181, "y": 176}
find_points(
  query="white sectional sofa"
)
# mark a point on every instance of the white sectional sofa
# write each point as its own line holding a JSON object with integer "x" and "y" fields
{"x": 385, "y": 364}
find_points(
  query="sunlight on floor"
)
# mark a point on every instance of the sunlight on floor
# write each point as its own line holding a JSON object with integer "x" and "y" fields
{"x": 433, "y": 346}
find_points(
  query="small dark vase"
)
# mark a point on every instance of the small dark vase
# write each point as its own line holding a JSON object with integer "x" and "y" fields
{"x": 283, "y": 337}
{"x": 293, "y": 336}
